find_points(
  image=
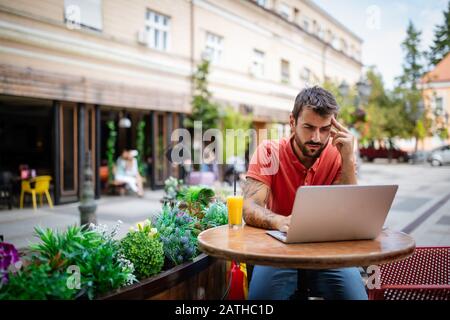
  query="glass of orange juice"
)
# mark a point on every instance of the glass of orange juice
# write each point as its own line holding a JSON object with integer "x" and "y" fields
{"x": 234, "y": 205}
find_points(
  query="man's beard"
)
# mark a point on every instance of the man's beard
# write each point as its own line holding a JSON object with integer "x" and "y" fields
{"x": 306, "y": 152}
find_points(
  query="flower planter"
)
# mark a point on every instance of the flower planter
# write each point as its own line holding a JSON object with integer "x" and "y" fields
{"x": 203, "y": 278}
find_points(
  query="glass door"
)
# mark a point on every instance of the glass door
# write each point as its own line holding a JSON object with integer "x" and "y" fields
{"x": 68, "y": 145}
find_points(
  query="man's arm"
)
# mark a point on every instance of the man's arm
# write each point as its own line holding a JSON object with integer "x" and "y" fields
{"x": 344, "y": 141}
{"x": 256, "y": 195}
{"x": 348, "y": 173}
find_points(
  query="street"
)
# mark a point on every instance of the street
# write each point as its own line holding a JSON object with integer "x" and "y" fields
{"x": 421, "y": 207}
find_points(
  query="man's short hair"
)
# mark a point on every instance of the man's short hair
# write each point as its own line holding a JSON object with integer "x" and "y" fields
{"x": 318, "y": 99}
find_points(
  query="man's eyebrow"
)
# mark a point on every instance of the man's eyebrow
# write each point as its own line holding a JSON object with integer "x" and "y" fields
{"x": 310, "y": 125}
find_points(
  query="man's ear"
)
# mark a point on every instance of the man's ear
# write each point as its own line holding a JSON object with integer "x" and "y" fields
{"x": 292, "y": 122}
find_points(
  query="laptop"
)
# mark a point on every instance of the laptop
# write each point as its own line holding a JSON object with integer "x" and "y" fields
{"x": 338, "y": 213}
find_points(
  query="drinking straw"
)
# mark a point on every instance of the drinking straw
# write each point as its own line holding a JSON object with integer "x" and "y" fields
{"x": 234, "y": 180}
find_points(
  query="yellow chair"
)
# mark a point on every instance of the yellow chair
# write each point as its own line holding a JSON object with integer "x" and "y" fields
{"x": 42, "y": 185}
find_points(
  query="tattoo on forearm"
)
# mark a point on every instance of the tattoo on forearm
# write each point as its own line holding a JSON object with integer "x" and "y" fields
{"x": 256, "y": 195}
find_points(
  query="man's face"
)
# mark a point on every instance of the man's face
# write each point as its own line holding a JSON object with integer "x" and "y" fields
{"x": 312, "y": 132}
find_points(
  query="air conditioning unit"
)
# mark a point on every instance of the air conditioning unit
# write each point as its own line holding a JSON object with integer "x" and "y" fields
{"x": 142, "y": 37}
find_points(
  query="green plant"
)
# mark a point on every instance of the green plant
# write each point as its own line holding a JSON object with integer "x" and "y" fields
{"x": 172, "y": 188}
{"x": 37, "y": 281}
{"x": 111, "y": 148}
{"x": 178, "y": 233}
{"x": 204, "y": 109}
{"x": 237, "y": 142}
{"x": 143, "y": 248}
{"x": 194, "y": 199}
{"x": 94, "y": 251}
{"x": 216, "y": 214}
{"x": 140, "y": 146}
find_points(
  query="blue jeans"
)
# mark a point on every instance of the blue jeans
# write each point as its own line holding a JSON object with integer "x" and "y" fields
{"x": 269, "y": 283}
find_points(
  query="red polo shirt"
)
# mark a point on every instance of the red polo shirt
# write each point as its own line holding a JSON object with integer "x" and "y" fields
{"x": 275, "y": 164}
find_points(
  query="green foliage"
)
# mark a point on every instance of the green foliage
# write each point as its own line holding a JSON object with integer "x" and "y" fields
{"x": 111, "y": 148}
{"x": 413, "y": 60}
{"x": 200, "y": 194}
{"x": 178, "y": 233}
{"x": 96, "y": 254}
{"x": 215, "y": 215}
{"x": 441, "y": 42}
{"x": 140, "y": 146}
{"x": 37, "y": 281}
{"x": 143, "y": 248}
{"x": 172, "y": 188}
{"x": 443, "y": 133}
{"x": 203, "y": 109}
{"x": 194, "y": 199}
{"x": 347, "y": 106}
{"x": 234, "y": 120}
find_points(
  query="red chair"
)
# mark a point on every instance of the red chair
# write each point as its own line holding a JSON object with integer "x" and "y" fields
{"x": 423, "y": 276}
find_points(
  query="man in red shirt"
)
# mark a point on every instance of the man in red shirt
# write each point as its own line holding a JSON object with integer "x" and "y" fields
{"x": 319, "y": 152}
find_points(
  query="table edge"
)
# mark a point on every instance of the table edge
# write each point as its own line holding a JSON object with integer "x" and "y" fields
{"x": 308, "y": 263}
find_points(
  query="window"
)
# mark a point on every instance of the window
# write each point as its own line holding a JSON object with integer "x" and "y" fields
{"x": 344, "y": 46}
{"x": 285, "y": 11}
{"x": 329, "y": 36}
{"x": 262, "y": 3}
{"x": 439, "y": 106}
{"x": 320, "y": 32}
{"x": 158, "y": 30}
{"x": 257, "y": 68}
{"x": 336, "y": 43}
{"x": 306, "y": 24}
{"x": 84, "y": 13}
{"x": 352, "y": 52}
{"x": 305, "y": 75}
{"x": 285, "y": 71}
{"x": 314, "y": 27}
{"x": 296, "y": 14}
{"x": 213, "y": 49}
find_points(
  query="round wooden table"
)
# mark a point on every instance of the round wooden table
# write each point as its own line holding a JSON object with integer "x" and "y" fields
{"x": 254, "y": 246}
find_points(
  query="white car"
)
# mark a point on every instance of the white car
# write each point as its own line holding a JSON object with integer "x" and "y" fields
{"x": 440, "y": 156}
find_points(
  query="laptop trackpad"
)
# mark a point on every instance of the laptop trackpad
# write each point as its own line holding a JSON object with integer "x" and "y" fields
{"x": 279, "y": 235}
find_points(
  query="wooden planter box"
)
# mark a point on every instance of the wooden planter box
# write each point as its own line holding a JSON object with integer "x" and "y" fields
{"x": 203, "y": 278}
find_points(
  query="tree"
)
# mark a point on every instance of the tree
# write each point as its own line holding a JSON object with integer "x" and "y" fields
{"x": 347, "y": 107}
{"x": 441, "y": 42}
{"x": 235, "y": 120}
{"x": 416, "y": 122}
{"x": 412, "y": 65}
{"x": 203, "y": 109}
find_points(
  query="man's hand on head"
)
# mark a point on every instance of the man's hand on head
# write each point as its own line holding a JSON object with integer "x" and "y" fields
{"x": 343, "y": 140}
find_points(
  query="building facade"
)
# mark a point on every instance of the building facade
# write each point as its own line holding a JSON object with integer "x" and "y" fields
{"x": 436, "y": 93}
{"x": 72, "y": 69}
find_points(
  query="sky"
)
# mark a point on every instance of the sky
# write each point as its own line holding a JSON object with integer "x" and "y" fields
{"x": 382, "y": 26}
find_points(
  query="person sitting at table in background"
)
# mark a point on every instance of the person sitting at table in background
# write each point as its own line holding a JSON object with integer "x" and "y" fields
{"x": 318, "y": 152}
{"x": 126, "y": 171}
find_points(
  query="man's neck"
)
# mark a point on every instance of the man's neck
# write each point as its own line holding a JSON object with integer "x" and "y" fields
{"x": 306, "y": 161}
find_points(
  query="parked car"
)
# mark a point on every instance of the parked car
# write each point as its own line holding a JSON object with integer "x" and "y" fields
{"x": 440, "y": 156}
{"x": 371, "y": 153}
{"x": 419, "y": 157}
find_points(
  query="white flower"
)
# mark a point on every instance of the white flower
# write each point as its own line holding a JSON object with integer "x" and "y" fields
{"x": 152, "y": 232}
